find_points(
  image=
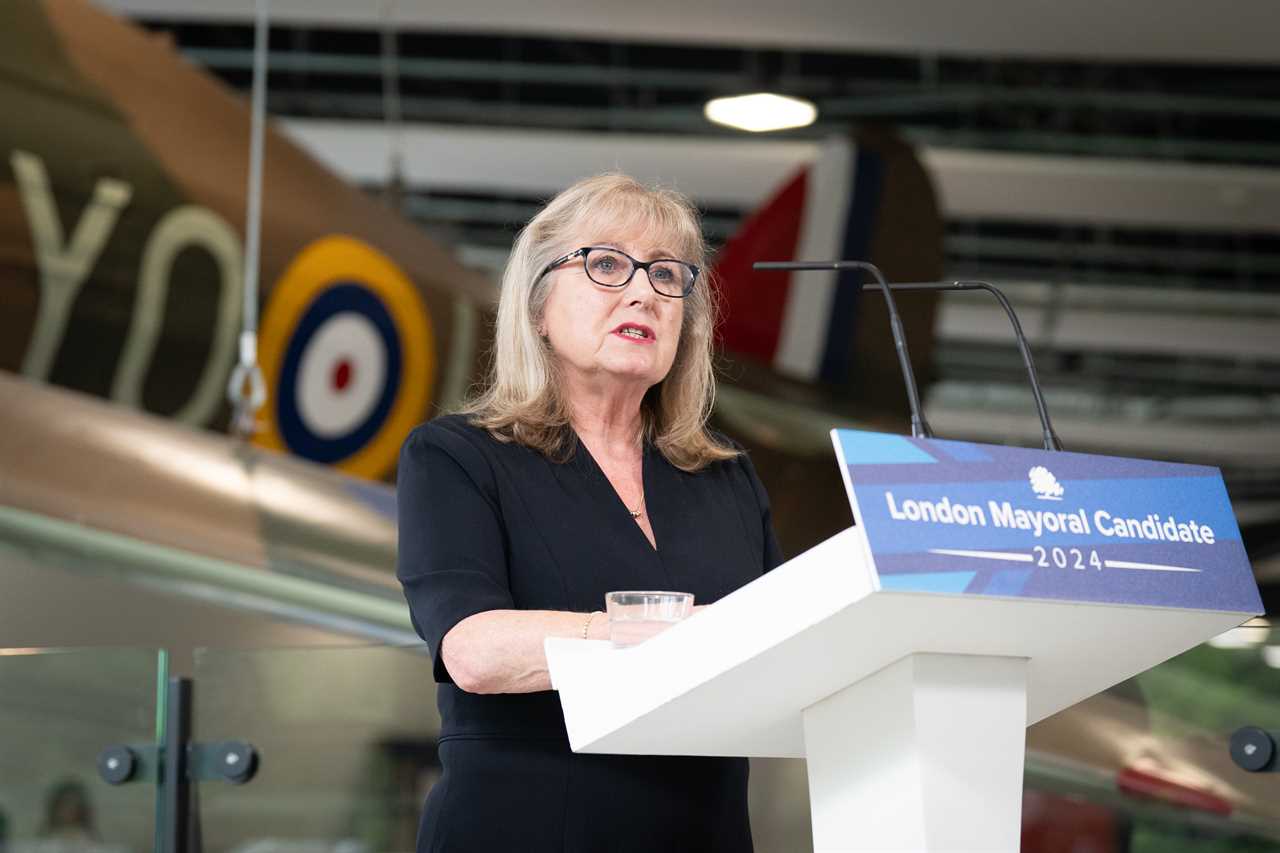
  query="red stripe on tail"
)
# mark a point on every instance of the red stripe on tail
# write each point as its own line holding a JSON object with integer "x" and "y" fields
{"x": 753, "y": 302}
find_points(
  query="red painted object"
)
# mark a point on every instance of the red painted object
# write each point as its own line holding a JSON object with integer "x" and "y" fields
{"x": 1142, "y": 784}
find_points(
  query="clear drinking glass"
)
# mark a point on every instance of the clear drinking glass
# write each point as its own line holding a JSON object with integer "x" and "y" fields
{"x": 636, "y": 615}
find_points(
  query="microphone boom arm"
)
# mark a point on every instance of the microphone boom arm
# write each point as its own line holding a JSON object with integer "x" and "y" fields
{"x": 919, "y": 427}
{"x": 1051, "y": 440}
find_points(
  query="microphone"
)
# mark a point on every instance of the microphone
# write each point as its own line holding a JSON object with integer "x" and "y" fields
{"x": 1051, "y": 441}
{"x": 919, "y": 428}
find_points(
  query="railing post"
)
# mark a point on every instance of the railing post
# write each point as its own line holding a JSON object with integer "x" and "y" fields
{"x": 174, "y": 830}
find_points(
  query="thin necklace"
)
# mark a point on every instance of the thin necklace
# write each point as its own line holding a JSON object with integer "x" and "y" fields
{"x": 639, "y": 510}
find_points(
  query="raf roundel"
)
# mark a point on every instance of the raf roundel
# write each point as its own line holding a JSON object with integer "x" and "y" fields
{"x": 348, "y": 354}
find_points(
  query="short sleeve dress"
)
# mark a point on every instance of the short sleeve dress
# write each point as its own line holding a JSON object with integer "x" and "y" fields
{"x": 487, "y": 525}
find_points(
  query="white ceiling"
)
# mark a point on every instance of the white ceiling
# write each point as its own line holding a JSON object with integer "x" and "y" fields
{"x": 1242, "y": 31}
{"x": 742, "y": 172}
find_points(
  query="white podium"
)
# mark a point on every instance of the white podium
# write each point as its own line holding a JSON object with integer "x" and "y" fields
{"x": 910, "y": 708}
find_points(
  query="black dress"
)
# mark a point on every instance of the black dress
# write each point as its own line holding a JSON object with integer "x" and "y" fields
{"x": 489, "y": 525}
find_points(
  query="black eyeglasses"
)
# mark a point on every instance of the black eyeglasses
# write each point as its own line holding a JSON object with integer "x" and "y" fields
{"x": 614, "y": 268}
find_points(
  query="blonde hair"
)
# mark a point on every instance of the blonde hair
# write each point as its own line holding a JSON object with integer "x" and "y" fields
{"x": 521, "y": 399}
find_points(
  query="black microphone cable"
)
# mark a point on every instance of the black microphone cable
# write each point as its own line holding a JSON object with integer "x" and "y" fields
{"x": 919, "y": 427}
{"x": 1051, "y": 440}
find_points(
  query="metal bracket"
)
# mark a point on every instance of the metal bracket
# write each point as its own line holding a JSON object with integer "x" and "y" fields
{"x": 178, "y": 762}
{"x": 1254, "y": 749}
{"x": 233, "y": 761}
{"x": 119, "y": 764}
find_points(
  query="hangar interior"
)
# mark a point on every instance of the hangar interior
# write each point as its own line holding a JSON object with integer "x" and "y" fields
{"x": 1116, "y": 171}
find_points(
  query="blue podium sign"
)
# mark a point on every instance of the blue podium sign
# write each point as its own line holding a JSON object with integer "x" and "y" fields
{"x": 957, "y": 517}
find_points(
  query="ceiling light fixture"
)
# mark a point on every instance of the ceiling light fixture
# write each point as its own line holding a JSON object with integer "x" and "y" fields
{"x": 761, "y": 111}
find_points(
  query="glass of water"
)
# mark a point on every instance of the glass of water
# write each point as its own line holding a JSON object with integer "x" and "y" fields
{"x": 636, "y": 615}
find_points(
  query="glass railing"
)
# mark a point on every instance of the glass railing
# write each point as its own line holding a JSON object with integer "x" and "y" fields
{"x": 346, "y": 739}
{"x": 59, "y": 709}
{"x": 346, "y": 745}
{"x": 1196, "y": 701}
{"x": 1145, "y": 767}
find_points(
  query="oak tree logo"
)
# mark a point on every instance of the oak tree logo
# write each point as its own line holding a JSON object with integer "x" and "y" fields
{"x": 1045, "y": 485}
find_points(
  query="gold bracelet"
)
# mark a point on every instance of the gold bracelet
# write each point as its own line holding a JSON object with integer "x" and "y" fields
{"x": 587, "y": 625}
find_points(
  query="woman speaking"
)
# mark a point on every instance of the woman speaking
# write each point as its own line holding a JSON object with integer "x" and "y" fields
{"x": 584, "y": 466}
